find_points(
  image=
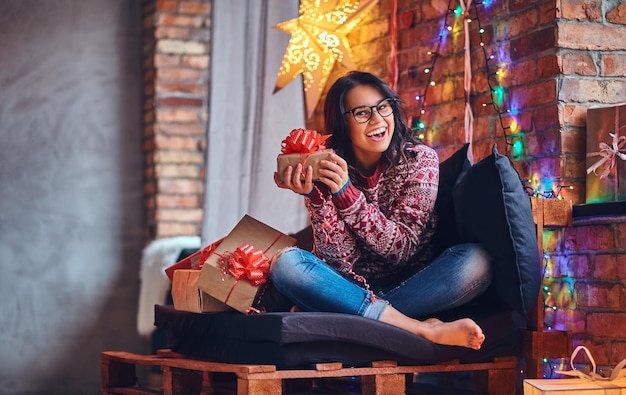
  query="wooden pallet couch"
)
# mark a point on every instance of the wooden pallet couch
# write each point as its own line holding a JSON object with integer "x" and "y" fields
{"x": 485, "y": 203}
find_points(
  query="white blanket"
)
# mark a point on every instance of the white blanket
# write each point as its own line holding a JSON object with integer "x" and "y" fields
{"x": 156, "y": 257}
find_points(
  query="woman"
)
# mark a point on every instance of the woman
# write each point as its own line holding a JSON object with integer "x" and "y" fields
{"x": 372, "y": 214}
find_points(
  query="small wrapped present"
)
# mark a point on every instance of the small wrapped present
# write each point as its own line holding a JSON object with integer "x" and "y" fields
{"x": 574, "y": 387}
{"x": 303, "y": 146}
{"x": 193, "y": 261}
{"x": 238, "y": 268}
{"x": 606, "y": 154}
{"x": 586, "y": 383}
{"x": 187, "y": 297}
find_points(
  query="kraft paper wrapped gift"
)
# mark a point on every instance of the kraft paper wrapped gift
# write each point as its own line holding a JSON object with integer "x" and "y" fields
{"x": 606, "y": 154}
{"x": 187, "y": 296}
{"x": 193, "y": 261}
{"x": 303, "y": 146}
{"x": 574, "y": 387}
{"x": 590, "y": 383}
{"x": 217, "y": 281}
{"x": 311, "y": 159}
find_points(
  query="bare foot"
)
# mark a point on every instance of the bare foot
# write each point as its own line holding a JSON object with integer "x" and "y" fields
{"x": 463, "y": 332}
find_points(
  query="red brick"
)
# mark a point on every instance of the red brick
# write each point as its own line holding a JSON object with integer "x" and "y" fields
{"x": 170, "y": 170}
{"x": 180, "y": 186}
{"x": 574, "y": 115}
{"x": 166, "y": 5}
{"x": 579, "y": 63}
{"x": 177, "y": 115}
{"x": 175, "y": 201}
{"x": 169, "y": 229}
{"x": 613, "y": 65}
{"x": 196, "y": 61}
{"x": 534, "y": 94}
{"x": 162, "y": 60}
{"x": 574, "y": 166}
{"x": 591, "y": 36}
{"x": 543, "y": 144}
{"x": 179, "y": 157}
{"x": 193, "y": 129}
{"x": 606, "y": 324}
{"x": 618, "y": 14}
{"x": 545, "y": 117}
{"x": 601, "y": 296}
{"x": 188, "y": 7}
{"x": 620, "y": 235}
{"x": 170, "y": 87}
{"x": 176, "y": 33}
{"x": 533, "y": 43}
{"x": 547, "y": 12}
{"x": 599, "y": 350}
{"x": 518, "y": 24}
{"x": 586, "y": 238}
{"x": 610, "y": 267}
{"x": 618, "y": 351}
{"x": 572, "y": 320}
{"x": 180, "y": 102}
{"x": 582, "y": 90}
{"x": 521, "y": 73}
{"x": 575, "y": 266}
{"x": 176, "y": 143}
{"x": 179, "y": 20}
{"x": 193, "y": 215}
{"x": 582, "y": 10}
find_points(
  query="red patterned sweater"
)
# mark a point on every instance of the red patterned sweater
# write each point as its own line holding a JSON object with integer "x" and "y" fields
{"x": 379, "y": 226}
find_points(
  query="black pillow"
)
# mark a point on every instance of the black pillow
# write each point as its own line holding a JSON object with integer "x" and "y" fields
{"x": 450, "y": 171}
{"x": 492, "y": 208}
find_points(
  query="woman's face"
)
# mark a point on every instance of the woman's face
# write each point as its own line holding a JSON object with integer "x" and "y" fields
{"x": 371, "y": 138}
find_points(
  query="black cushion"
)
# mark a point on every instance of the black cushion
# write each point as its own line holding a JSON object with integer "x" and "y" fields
{"x": 492, "y": 208}
{"x": 450, "y": 171}
{"x": 301, "y": 339}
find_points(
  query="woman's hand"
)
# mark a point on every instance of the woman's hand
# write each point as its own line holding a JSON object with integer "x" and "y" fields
{"x": 292, "y": 179}
{"x": 334, "y": 173}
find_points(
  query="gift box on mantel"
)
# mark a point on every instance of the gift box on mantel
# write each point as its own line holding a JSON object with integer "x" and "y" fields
{"x": 237, "y": 270}
{"x": 606, "y": 154}
{"x": 304, "y": 146}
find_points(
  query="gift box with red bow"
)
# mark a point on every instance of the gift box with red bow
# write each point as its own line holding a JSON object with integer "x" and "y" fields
{"x": 184, "y": 276}
{"x": 237, "y": 270}
{"x": 188, "y": 297}
{"x": 606, "y": 154}
{"x": 304, "y": 146}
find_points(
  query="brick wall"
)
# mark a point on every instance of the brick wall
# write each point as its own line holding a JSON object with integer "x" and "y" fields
{"x": 176, "y": 44}
{"x": 557, "y": 59}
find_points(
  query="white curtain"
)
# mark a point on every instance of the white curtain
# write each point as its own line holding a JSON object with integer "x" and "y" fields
{"x": 247, "y": 122}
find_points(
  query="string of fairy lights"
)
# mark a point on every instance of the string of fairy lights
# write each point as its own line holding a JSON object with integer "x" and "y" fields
{"x": 495, "y": 70}
{"x": 497, "y": 91}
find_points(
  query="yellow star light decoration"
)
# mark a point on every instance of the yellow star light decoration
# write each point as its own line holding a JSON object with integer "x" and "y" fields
{"x": 318, "y": 40}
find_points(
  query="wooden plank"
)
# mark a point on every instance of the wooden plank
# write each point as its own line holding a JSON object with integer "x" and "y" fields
{"x": 383, "y": 384}
{"x": 259, "y": 387}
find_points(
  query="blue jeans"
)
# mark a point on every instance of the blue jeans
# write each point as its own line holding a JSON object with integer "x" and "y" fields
{"x": 454, "y": 278}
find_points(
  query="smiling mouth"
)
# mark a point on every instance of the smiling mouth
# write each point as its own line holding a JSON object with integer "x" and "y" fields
{"x": 377, "y": 133}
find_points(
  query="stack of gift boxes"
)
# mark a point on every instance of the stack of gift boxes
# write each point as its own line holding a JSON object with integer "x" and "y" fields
{"x": 233, "y": 272}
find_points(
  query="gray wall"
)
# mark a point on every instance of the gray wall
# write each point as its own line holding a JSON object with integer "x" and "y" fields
{"x": 70, "y": 190}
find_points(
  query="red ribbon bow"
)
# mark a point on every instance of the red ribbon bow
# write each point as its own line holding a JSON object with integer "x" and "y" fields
{"x": 303, "y": 141}
{"x": 249, "y": 263}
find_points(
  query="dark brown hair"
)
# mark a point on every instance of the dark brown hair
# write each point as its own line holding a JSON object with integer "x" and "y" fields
{"x": 335, "y": 121}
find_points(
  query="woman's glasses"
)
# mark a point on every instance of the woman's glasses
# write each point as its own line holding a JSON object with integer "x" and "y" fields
{"x": 363, "y": 114}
